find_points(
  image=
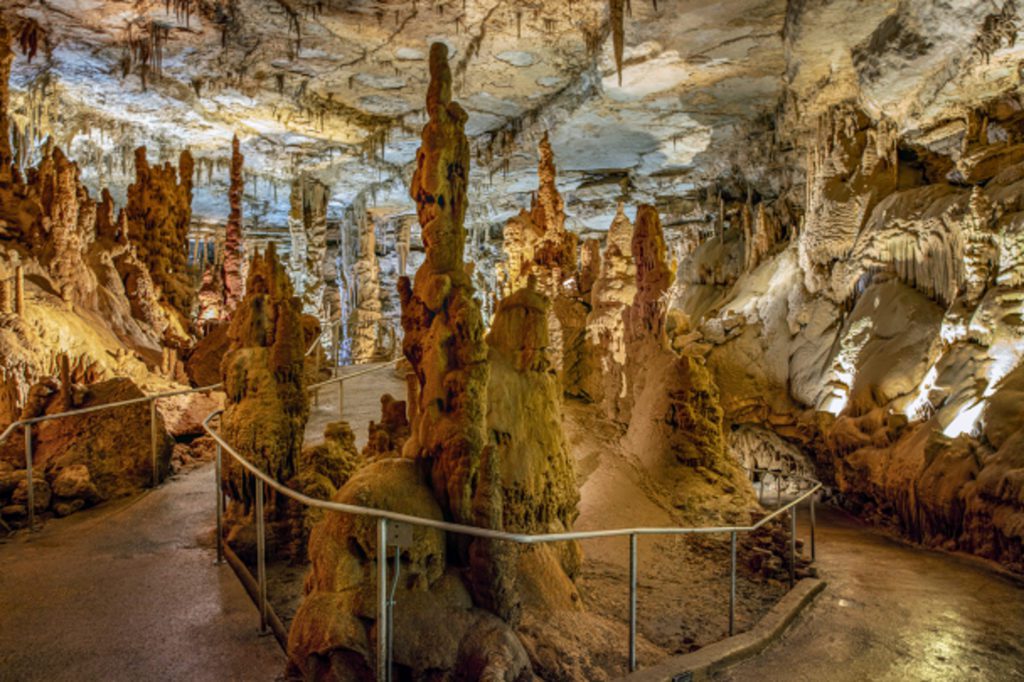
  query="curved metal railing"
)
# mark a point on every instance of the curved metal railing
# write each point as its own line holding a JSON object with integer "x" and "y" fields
{"x": 153, "y": 436}
{"x": 389, "y": 522}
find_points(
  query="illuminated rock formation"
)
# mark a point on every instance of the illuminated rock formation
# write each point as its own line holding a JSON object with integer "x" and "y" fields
{"x": 612, "y": 293}
{"x": 263, "y": 376}
{"x": 307, "y": 226}
{"x": 159, "y": 214}
{"x": 367, "y": 317}
{"x": 673, "y": 400}
{"x": 443, "y": 328}
{"x": 87, "y": 459}
{"x": 536, "y": 473}
{"x": 232, "y": 269}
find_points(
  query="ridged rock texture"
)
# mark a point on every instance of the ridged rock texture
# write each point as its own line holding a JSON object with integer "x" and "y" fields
{"x": 537, "y": 244}
{"x": 612, "y": 293}
{"x": 368, "y": 316}
{"x": 232, "y": 269}
{"x": 263, "y": 375}
{"x": 159, "y": 215}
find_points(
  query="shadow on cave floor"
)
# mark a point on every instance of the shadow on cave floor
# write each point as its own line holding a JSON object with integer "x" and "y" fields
{"x": 893, "y": 611}
{"x": 129, "y": 591}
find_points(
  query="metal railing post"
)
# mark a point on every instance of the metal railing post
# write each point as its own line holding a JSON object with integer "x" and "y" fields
{"x": 792, "y": 546}
{"x": 732, "y": 583}
{"x": 383, "y": 664}
{"x": 152, "y": 440}
{"x": 28, "y": 479}
{"x": 813, "y": 553}
{"x": 220, "y": 506}
{"x": 632, "y": 601}
{"x": 261, "y": 556}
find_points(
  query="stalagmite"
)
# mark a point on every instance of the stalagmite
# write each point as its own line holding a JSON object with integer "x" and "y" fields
{"x": 232, "y": 269}
{"x": 613, "y": 292}
{"x": 159, "y": 214}
{"x": 367, "y": 317}
{"x": 263, "y": 377}
{"x": 6, "y": 302}
{"x": 442, "y": 323}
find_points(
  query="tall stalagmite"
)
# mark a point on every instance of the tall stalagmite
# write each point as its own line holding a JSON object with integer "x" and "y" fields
{"x": 442, "y": 322}
{"x": 262, "y": 372}
{"x": 605, "y": 351}
{"x": 673, "y": 400}
{"x": 368, "y": 307}
{"x": 234, "y": 287}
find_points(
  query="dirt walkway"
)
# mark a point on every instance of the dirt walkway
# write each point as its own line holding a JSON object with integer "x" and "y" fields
{"x": 129, "y": 591}
{"x": 896, "y": 612}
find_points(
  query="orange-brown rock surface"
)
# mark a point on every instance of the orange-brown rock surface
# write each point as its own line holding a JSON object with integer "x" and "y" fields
{"x": 232, "y": 267}
{"x": 159, "y": 214}
{"x": 604, "y": 379}
{"x": 263, "y": 374}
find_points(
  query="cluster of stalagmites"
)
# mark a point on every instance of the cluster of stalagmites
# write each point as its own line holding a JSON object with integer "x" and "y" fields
{"x": 881, "y": 333}
{"x": 87, "y": 294}
{"x": 483, "y": 444}
{"x": 455, "y": 463}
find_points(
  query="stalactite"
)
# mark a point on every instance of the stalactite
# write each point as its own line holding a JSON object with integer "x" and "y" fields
{"x": 617, "y": 20}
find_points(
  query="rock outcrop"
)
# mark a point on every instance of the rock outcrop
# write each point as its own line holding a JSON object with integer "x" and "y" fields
{"x": 83, "y": 460}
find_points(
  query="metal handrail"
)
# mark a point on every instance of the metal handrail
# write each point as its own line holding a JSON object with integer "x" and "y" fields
{"x": 27, "y": 424}
{"x": 384, "y": 517}
{"x": 340, "y": 379}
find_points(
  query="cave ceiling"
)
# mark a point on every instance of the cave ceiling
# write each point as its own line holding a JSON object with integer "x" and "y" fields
{"x": 334, "y": 89}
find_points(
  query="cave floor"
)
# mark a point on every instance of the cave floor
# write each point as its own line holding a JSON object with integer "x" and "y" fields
{"x": 129, "y": 591}
{"x": 893, "y": 611}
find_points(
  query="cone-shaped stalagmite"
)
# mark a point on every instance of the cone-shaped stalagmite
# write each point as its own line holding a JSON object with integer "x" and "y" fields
{"x": 232, "y": 268}
{"x": 263, "y": 376}
{"x": 442, "y": 321}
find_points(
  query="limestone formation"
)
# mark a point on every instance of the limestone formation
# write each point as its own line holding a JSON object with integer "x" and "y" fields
{"x": 443, "y": 328}
{"x": 90, "y": 458}
{"x": 613, "y": 291}
{"x": 159, "y": 213}
{"x": 263, "y": 375}
{"x": 232, "y": 268}
{"x": 367, "y": 317}
{"x": 307, "y": 225}
{"x": 538, "y": 482}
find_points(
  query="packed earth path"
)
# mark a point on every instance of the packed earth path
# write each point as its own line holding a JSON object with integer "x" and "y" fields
{"x": 893, "y": 611}
{"x": 130, "y": 591}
